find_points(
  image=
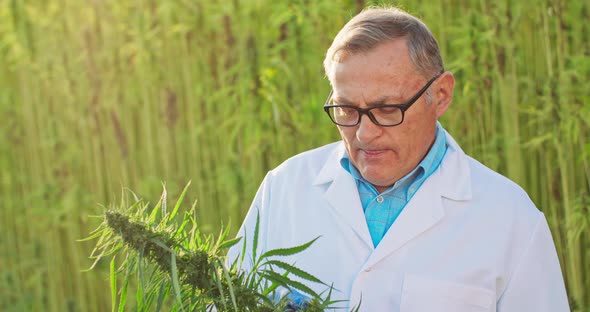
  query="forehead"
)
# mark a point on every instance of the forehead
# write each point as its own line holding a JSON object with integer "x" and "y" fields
{"x": 383, "y": 73}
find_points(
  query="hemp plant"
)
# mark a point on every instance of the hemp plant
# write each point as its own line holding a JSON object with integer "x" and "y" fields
{"x": 178, "y": 268}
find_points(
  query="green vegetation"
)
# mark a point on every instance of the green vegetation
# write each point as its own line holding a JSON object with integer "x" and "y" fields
{"x": 179, "y": 269}
{"x": 95, "y": 95}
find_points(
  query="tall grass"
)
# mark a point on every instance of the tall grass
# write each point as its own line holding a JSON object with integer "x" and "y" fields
{"x": 95, "y": 95}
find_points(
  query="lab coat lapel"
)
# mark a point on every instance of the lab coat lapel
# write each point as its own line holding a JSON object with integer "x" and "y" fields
{"x": 421, "y": 213}
{"x": 452, "y": 180}
{"x": 342, "y": 195}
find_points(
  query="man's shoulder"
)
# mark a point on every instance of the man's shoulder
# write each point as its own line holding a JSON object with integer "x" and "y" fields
{"x": 487, "y": 176}
{"x": 487, "y": 184}
{"x": 508, "y": 197}
{"x": 313, "y": 159}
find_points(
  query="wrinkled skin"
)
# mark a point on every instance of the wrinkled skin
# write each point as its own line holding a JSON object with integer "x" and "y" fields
{"x": 386, "y": 75}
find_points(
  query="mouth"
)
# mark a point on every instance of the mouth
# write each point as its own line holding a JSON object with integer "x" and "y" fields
{"x": 372, "y": 153}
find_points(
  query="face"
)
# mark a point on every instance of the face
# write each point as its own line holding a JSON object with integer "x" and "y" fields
{"x": 386, "y": 75}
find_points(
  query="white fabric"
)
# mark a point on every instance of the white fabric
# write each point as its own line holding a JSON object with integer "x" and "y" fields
{"x": 469, "y": 240}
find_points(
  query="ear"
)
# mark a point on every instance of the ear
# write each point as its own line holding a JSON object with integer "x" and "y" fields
{"x": 443, "y": 92}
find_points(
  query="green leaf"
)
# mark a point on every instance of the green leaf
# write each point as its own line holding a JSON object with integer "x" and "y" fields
{"x": 243, "y": 253}
{"x": 161, "y": 296}
{"x": 96, "y": 234}
{"x": 287, "y": 282}
{"x": 179, "y": 201}
{"x": 161, "y": 244}
{"x": 135, "y": 197}
{"x": 97, "y": 258}
{"x": 265, "y": 299}
{"x": 294, "y": 270}
{"x": 181, "y": 228}
{"x": 357, "y": 307}
{"x": 175, "y": 283}
{"x": 220, "y": 288}
{"x": 113, "y": 285}
{"x": 267, "y": 290}
{"x": 229, "y": 243}
{"x": 288, "y": 251}
{"x": 141, "y": 280}
{"x": 223, "y": 233}
{"x": 255, "y": 241}
{"x": 123, "y": 295}
{"x": 229, "y": 285}
{"x": 156, "y": 209}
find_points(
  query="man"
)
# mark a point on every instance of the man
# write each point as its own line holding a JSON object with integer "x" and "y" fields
{"x": 406, "y": 221}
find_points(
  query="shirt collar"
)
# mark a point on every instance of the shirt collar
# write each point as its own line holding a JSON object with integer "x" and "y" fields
{"x": 424, "y": 169}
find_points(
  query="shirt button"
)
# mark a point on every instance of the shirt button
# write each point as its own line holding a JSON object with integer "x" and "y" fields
{"x": 367, "y": 270}
{"x": 380, "y": 199}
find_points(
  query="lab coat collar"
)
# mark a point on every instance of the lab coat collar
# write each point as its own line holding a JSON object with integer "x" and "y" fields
{"x": 453, "y": 170}
{"x": 452, "y": 180}
{"x": 342, "y": 194}
{"x": 331, "y": 168}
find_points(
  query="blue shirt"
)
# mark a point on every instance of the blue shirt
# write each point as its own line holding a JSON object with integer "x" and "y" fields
{"x": 381, "y": 210}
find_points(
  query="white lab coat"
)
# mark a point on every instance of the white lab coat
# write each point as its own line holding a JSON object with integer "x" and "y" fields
{"x": 469, "y": 240}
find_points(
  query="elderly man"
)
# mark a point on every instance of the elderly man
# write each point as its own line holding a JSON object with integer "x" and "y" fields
{"x": 407, "y": 221}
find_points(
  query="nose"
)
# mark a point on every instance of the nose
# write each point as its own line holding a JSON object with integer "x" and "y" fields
{"x": 367, "y": 130}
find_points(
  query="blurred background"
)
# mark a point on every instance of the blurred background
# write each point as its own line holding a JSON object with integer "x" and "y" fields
{"x": 101, "y": 95}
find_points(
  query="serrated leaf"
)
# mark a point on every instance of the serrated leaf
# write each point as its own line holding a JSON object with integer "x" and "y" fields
{"x": 243, "y": 253}
{"x": 230, "y": 243}
{"x": 294, "y": 270}
{"x": 283, "y": 252}
{"x": 287, "y": 282}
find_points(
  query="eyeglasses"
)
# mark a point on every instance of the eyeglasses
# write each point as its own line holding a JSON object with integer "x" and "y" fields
{"x": 386, "y": 115}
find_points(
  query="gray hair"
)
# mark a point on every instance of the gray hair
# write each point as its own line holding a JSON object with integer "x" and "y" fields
{"x": 375, "y": 26}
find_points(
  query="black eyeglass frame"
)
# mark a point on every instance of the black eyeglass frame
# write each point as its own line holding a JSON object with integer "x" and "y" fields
{"x": 367, "y": 111}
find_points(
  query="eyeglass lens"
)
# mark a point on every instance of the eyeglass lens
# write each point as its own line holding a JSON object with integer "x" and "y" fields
{"x": 348, "y": 116}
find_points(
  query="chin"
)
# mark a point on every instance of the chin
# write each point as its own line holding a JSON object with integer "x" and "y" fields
{"x": 375, "y": 180}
